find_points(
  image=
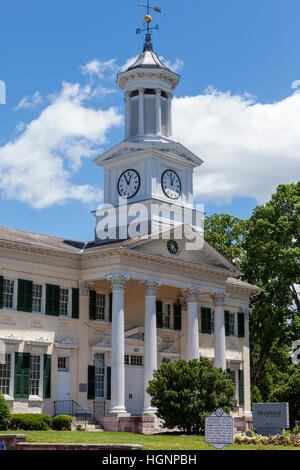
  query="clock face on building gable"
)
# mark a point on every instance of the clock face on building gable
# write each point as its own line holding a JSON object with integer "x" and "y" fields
{"x": 129, "y": 184}
{"x": 171, "y": 184}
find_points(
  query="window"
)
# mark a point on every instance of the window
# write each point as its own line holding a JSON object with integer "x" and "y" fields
{"x": 35, "y": 375}
{"x": 167, "y": 316}
{"x": 8, "y": 293}
{"x": 134, "y": 116}
{"x": 99, "y": 363}
{"x": 133, "y": 360}
{"x": 149, "y": 114}
{"x": 100, "y": 306}
{"x": 63, "y": 364}
{"x": 231, "y": 324}
{"x": 164, "y": 129}
{"x": 5, "y": 375}
{"x": 37, "y": 297}
{"x": 64, "y": 302}
{"x": 232, "y": 376}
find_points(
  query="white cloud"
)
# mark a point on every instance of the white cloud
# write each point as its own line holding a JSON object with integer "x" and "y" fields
{"x": 99, "y": 68}
{"x": 175, "y": 66}
{"x": 29, "y": 102}
{"x": 37, "y": 167}
{"x": 248, "y": 147}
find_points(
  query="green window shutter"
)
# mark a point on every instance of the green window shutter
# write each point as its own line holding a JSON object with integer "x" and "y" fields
{"x": 241, "y": 324}
{"x": 22, "y": 375}
{"x": 110, "y": 306}
{"x": 177, "y": 317}
{"x": 26, "y": 375}
{"x": 47, "y": 376}
{"x": 91, "y": 382}
{"x": 226, "y": 315}
{"x": 108, "y": 383}
{"x": 18, "y": 375}
{"x": 159, "y": 314}
{"x": 228, "y": 371}
{"x": 75, "y": 303}
{"x": 24, "y": 296}
{"x": 206, "y": 320}
{"x": 92, "y": 305}
{"x": 52, "y": 300}
{"x": 241, "y": 387}
{"x": 1, "y": 291}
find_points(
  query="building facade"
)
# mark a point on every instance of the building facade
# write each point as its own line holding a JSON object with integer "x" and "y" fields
{"x": 88, "y": 323}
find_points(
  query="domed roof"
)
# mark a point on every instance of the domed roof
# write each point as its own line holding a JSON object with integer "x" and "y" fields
{"x": 148, "y": 59}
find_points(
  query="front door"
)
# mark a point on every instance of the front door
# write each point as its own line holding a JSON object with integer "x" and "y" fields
{"x": 63, "y": 387}
{"x": 134, "y": 390}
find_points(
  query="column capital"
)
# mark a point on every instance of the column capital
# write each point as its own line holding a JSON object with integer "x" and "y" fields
{"x": 218, "y": 299}
{"x": 150, "y": 287}
{"x": 118, "y": 281}
{"x": 191, "y": 295}
{"x": 84, "y": 288}
{"x": 141, "y": 91}
{"x": 158, "y": 91}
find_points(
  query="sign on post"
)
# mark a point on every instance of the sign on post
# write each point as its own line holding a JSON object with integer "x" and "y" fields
{"x": 270, "y": 418}
{"x": 219, "y": 429}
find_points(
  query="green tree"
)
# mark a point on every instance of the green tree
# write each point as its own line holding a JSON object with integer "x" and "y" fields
{"x": 185, "y": 392}
{"x": 5, "y": 415}
{"x": 226, "y": 234}
{"x": 289, "y": 391}
{"x": 272, "y": 261}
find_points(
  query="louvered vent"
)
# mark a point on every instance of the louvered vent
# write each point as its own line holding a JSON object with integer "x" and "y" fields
{"x": 164, "y": 129}
{"x": 134, "y": 117}
{"x": 149, "y": 115}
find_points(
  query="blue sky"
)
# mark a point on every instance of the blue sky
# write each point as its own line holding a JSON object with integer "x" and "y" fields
{"x": 237, "y": 104}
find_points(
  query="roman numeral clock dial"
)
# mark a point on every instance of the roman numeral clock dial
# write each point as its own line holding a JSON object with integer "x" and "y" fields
{"x": 129, "y": 184}
{"x": 171, "y": 184}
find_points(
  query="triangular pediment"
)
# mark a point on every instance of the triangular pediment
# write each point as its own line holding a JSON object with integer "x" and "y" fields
{"x": 127, "y": 150}
{"x": 192, "y": 249}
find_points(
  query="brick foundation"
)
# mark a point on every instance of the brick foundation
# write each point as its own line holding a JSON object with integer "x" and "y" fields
{"x": 135, "y": 424}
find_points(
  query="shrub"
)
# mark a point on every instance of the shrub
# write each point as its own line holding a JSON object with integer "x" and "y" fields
{"x": 31, "y": 422}
{"x": 5, "y": 415}
{"x": 62, "y": 423}
{"x": 184, "y": 393}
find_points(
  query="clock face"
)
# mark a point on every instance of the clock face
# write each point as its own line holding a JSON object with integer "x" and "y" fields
{"x": 171, "y": 184}
{"x": 129, "y": 184}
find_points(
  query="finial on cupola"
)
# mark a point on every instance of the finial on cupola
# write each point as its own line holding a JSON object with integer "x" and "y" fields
{"x": 146, "y": 25}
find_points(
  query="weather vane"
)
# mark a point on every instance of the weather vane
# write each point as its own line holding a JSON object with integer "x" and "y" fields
{"x": 146, "y": 25}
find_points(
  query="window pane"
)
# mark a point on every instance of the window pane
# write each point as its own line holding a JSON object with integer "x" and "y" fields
{"x": 166, "y": 315}
{"x": 37, "y": 294}
{"x": 5, "y": 372}
{"x": 231, "y": 324}
{"x": 63, "y": 363}
{"x": 100, "y": 306}
{"x": 35, "y": 375}
{"x": 63, "y": 302}
{"x": 8, "y": 293}
{"x": 99, "y": 363}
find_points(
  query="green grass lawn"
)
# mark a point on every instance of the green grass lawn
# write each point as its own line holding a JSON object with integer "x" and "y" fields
{"x": 153, "y": 442}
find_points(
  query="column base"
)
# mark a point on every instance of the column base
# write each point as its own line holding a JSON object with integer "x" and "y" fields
{"x": 118, "y": 411}
{"x": 149, "y": 411}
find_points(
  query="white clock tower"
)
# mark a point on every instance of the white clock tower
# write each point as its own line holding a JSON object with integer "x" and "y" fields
{"x": 148, "y": 177}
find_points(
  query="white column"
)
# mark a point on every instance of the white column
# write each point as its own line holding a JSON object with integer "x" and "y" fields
{"x": 169, "y": 114}
{"x": 191, "y": 296}
{"x": 117, "y": 404}
{"x": 141, "y": 111}
{"x": 158, "y": 111}
{"x": 83, "y": 339}
{"x": 220, "y": 345}
{"x": 127, "y": 115}
{"x": 150, "y": 355}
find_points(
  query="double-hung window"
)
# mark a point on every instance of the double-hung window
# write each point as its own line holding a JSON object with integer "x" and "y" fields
{"x": 100, "y": 306}
{"x": 166, "y": 323}
{"x": 35, "y": 375}
{"x": 37, "y": 298}
{"x": 64, "y": 302}
{"x": 8, "y": 293}
{"x": 99, "y": 362}
{"x": 5, "y": 374}
{"x": 231, "y": 324}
